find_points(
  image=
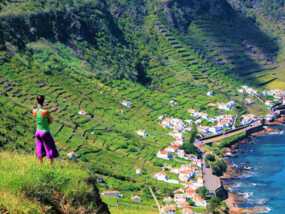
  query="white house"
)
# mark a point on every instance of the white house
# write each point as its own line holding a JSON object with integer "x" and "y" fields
{"x": 82, "y": 112}
{"x": 180, "y": 153}
{"x": 270, "y": 117}
{"x": 172, "y": 103}
{"x": 172, "y": 181}
{"x": 215, "y": 130}
{"x": 142, "y": 133}
{"x": 136, "y": 199}
{"x": 126, "y": 103}
{"x": 186, "y": 175}
{"x": 138, "y": 171}
{"x": 226, "y": 106}
{"x": 161, "y": 176}
{"x": 174, "y": 170}
{"x": 168, "y": 209}
{"x": 112, "y": 193}
{"x": 269, "y": 103}
{"x": 163, "y": 154}
{"x": 199, "y": 201}
{"x": 170, "y": 149}
{"x": 72, "y": 155}
{"x": 210, "y": 93}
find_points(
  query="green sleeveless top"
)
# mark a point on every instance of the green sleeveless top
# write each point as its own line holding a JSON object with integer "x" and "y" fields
{"x": 42, "y": 119}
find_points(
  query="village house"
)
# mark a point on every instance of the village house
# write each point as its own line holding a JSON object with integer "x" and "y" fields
{"x": 136, "y": 199}
{"x": 189, "y": 192}
{"x": 269, "y": 103}
{"x": 186, "y": 176}
{"x": 160, "y": 118}
{"x": 247, "y": 90}
{"x": 213, "y": 183}
{"x": 170, "y": 149}
{"x": 249, "y": 101}
{"x": 180, "y": 199}
{"x": 138, "y": 171}
{"x": 225, "y": 121}
{"x": 82, "y": 112}
{"x": 180, "y": 153}
{"x": 187, "y": 210}
{"x": 168, "y": 209}
{"x": 161, "y": 176}
{"x": 277, "y": 94}
{"x": 270, "y": 117}
{"x": 174, "y": 170}
{"x": 210, "y": 93}
{"x": 72, "y": 155}
{"x": 172, "y": 181}
{"x": 199, "y": 201}
{"x": 163, "y": 154}
{"x": 215, "y": 130}
{"x": 248, "y": 119}
{"x": 175, "y": 145}
{"x": 126, "y": 103}
{"x": 178, "y": 137}
{"x": 112, "y": 193}
{"x": 173, "y": 103}
{"x": 142, "y": 133}
{"x": 226, "y": 106}
{"x": 168, "y": 200}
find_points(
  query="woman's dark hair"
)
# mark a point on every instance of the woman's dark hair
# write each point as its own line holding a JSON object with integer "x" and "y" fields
{"x": 41, "y": 99}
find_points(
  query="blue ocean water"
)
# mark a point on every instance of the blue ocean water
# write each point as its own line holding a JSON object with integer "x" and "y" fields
{"x": 262, "y": 182}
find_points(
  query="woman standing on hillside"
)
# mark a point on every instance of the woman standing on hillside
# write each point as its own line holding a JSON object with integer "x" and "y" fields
{"x": 45, "y": 145}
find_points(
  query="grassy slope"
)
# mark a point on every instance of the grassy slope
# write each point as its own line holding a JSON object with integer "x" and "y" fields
{"x": 22, "y": 179}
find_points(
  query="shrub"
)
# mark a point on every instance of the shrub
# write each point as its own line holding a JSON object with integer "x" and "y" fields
{"x": 190, "y": 202}
{"x": 210, "y": 157}
{"x": 219, "y": 167}
{"x": 49, "y": 186}
{"x": 190, "y": 148}
{"x": 203, "y": 192}
{"x": 213, "y": 204}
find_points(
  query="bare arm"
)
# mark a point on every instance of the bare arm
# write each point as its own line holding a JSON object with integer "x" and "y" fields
{"x": 50, "y": 119}
{"x": 34, "y": 118}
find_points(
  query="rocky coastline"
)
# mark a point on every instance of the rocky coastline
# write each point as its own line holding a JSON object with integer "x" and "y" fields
{"x": 233, "y": 171}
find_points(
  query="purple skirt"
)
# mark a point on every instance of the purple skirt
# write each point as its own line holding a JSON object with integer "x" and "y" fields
{"x": 45, "y": 145}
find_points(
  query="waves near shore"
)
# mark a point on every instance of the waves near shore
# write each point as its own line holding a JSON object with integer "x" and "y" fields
{"x": 255, "y": 178}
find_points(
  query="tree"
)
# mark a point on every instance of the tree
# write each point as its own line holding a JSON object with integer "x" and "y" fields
{"x": 219, "y": 167}
{"x": 210, "y": 157}
{"x": 191, "y": 202}
{"x": 217, "y": 206}
{"x": 203, "y": 192}
{"x": 190, "y": 148}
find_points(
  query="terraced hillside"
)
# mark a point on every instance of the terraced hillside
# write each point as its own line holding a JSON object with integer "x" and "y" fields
{"x": 106, "y": 84}
{"x": 104, "y": 138}
{"x": 235, "y": 44}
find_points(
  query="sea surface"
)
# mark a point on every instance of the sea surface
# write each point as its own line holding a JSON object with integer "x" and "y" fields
{"x": 262, "y": 179}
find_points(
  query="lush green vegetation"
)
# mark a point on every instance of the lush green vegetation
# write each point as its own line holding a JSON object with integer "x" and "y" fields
{"x": 189, "y": 147}
{"x": 214, "y": 157}
{"x": 217, "y": 206}
{"x": 91, "y": 56}
{"x": 29, "y": 187}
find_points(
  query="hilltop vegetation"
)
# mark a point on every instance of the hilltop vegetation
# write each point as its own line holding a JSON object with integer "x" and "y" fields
{"x": 27, "y": 187}
{"x": 90, "y": 56}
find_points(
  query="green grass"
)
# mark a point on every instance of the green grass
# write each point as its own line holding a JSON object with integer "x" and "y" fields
{"x": 22, "y": 178}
